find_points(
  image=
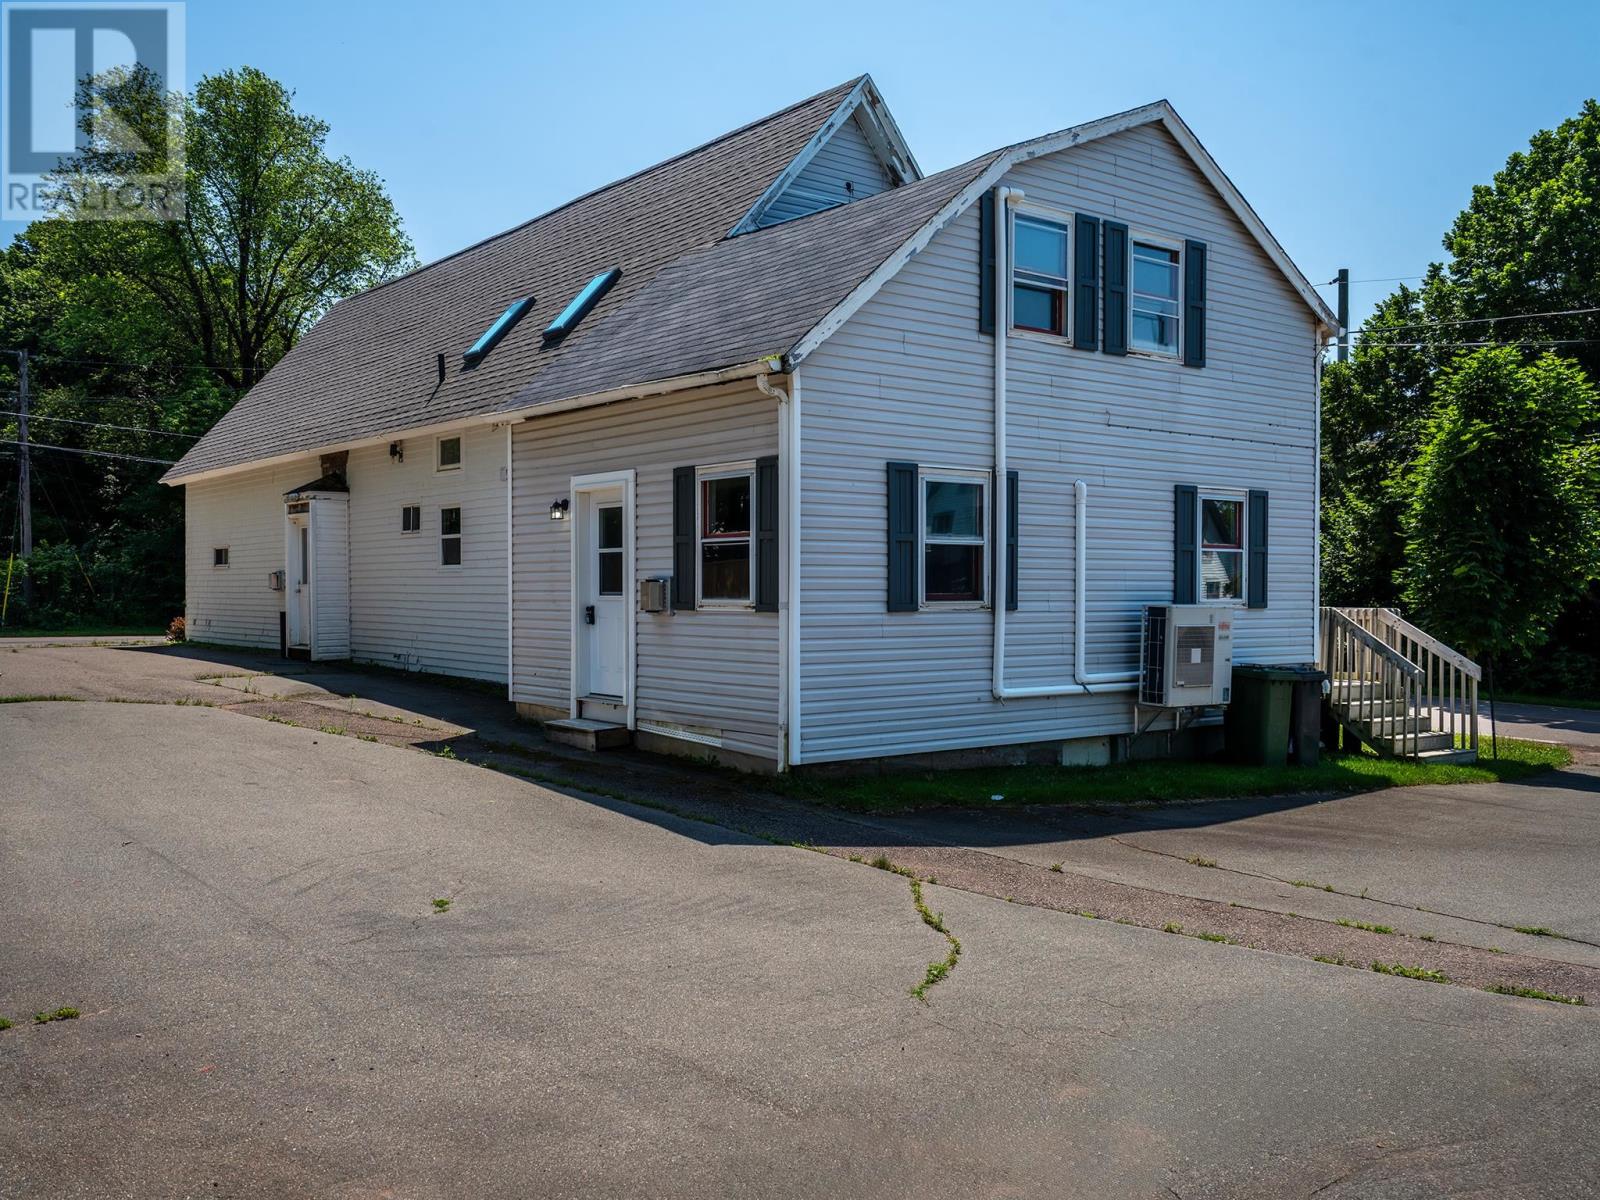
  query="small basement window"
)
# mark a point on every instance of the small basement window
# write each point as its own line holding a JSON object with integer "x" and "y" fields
{"x": 1041, "y": 285}
{"x": 450, "y": 537}
{"x": 449, "y": 454}
{"x": 1155, "y": 299}
{"x": 727, "y": 567}
{"x": 410, "y": 518}
{"x": 1222, "y": 547}
{"x": 955, "y": 537}
{"x": 219, "y": 556}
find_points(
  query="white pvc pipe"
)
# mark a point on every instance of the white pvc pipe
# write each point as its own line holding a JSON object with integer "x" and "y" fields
{"x": 789, "y": 602}
{"x": 1083, "y": 682}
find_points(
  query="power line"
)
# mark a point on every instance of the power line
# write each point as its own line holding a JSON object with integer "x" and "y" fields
{"x": 1467, "y": 345}
{"x": 1387, "y": 279}
{"x": 160, "y": 462}
{"x": 1563, "y": 312}
{"x": 33, "y": 416}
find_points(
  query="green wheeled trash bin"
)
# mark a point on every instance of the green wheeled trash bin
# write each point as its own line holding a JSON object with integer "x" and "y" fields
{"x": 1260, "y": 721}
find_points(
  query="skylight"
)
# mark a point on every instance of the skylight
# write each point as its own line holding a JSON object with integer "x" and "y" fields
{"x": 581, "y": 304}
{"x": 492, "y": 335}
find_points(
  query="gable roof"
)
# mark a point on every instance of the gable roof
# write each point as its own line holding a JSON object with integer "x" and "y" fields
{"x": 368, "y": 367}
{"x": 692, "y": 304}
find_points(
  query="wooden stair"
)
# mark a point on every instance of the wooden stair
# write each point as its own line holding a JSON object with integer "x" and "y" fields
{"x": 1398, "y": 689}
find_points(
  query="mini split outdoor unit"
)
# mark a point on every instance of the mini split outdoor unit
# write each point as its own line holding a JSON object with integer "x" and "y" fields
{"x": 1186, "y": 656}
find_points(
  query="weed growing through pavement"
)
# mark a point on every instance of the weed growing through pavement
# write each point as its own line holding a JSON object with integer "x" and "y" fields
{"x": 5, "y": 1022}
{"x": 939, "y": 968}
{"x": 444, "y": 752}
{"x": 1197, "y": 861}
{"x": 1213, "y": 937}
{"x": 1172, "y": 927}
{"x": 60, "y": 1014}
{"x": 1536, "y": 994}
{"x": 1364, "y": 925}
{"x": 1410, "y": 972}
{"x": 1536, "y": 931}
{"x": 1056, "y": 867}
{"x": 442, "y": 904}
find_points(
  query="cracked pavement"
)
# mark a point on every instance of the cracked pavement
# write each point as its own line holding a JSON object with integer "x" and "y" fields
{"x": 625, "y": 999}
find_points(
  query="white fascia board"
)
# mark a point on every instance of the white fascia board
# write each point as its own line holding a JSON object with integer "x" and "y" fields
{"x": 1052, "y": 143}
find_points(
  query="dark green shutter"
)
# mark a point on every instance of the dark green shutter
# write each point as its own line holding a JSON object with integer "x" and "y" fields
{"x": 1116, "y": 288}
{"x": 902, "y": 537}
{"x": 766, "y": 531}
{"x": 1185, "y": 531}
{"x": 1013, "y": 511}
{"x": 1086, "y": 277}
{"x": 986, "y": 262}
{"x": 683, "y": 537}
{"x": 1194, "y": 304}
{"x": 1256, "y": 590}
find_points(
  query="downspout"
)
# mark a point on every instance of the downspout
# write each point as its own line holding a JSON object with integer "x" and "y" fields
{"x": 1083, "y": 682}
{"x": 789, "y": 580}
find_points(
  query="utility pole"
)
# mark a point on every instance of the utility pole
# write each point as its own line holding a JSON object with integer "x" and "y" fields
{"x": 1344, "y": 313}
{"x": 24, "y": 474}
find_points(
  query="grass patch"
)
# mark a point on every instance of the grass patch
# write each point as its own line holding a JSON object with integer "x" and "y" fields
{"x": 1536, "y": 994}
{"x": 1172, "y": 927}
{"x": 1214, "y": 937}
{"x": 1370, "y": 928}
{"x": 1536, "y": 931}
{"x": 5, "y": 1023}
{"x": 442, "y": 904}
{"x": 1197, "y": 861}
{"x": 1331, "y": 959}
{"x": 1166, "y": 782}
{"x": 20, "y": 631}
{"x": 940, "y": 967}
{"x": 1410, "y": 972}
{"x": 60, "y": 1014}
{"x": 41, "y": 699}
{"x": 1056, "y": 867}
{"x": 1549, "y": 701}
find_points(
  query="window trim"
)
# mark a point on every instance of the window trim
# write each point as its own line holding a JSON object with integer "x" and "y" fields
{"x": 1164, "y": 242}
{"x": 404, "y": 508}
{"x": 439, "y": 468}
{"x": 734, "y": 470}
{"x": 985, "y": 480}
{"x": 224, "y": 563}
{"x": 1241, "y": 497}
{"x": 1052, "y": 216}
{"x": 459, "y": 538}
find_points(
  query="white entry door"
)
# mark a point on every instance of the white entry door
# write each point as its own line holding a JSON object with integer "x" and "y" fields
{"x": 297, "y": 576}
{"x": 603, "y": 597}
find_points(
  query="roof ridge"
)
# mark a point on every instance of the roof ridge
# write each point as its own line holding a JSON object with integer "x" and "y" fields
{"x": 845, "y": 87}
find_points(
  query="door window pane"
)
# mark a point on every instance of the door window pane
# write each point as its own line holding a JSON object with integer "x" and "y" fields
{"x": 610, "y": 573}
{"x": 610, "y": 527}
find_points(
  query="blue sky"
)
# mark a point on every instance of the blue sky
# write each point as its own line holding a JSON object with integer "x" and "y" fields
{"x": 1356, "y": 130}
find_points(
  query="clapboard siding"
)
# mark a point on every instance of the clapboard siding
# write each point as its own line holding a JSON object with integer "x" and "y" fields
{"x": 406, "y": 609}
{"x": 908, "y": 377}
{"x": 717, "y": 669}
{"x": 235, "y": 605}
{"x": 846, "y": 157}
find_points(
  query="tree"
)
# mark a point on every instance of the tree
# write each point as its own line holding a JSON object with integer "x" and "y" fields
{"x": 272, "y": 231}
{"x": 1502, "y": 530}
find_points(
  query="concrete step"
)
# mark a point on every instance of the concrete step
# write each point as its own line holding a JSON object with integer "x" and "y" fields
{"x": 1448, "y": 756}
{"x": 1428, "y": 743}
{"x": 588, "y": 734}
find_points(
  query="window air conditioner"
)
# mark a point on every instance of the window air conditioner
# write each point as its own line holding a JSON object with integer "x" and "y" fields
{"x": 1186, "y": 656}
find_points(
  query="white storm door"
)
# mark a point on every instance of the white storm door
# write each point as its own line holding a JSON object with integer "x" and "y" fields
{"x": 604, "y": 608}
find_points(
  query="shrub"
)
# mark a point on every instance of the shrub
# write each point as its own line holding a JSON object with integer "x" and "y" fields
{"x": 178, "y": 630}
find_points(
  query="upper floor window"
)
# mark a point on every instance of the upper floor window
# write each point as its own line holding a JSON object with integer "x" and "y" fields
{"x": 954, "y": 536}
{"x": 450, "y": 537}
{"x": 1040, "y": 278}
{"x": 1221, "y": 547}
{"x": 726, "y": 563}
{"x": 219, "y": 556}
{"x": 449, "y": 456}
{"x": 1154, "y": 299}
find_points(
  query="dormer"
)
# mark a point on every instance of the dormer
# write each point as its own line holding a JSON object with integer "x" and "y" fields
{"x": 858, "y": 152}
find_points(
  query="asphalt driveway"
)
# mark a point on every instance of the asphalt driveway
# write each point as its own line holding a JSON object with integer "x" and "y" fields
{"x": 622, "y": 1001}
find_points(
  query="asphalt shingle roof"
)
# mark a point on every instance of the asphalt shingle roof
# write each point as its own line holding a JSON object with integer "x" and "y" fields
{"x": 368, "y": 368}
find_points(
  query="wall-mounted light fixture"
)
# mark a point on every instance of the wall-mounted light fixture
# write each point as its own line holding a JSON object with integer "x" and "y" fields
{"x": 397, "y": 451}
{"x": 558, "y": 509}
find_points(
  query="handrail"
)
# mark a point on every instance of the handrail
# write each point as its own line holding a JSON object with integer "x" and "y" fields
{"x": 1376, "y": 644}
{"x": 1425, "y": 640}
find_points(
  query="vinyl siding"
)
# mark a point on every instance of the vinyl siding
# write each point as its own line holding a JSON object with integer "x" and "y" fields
{"x": 846, "y": 156}
{"x": 909, "y": 378}
{"x": 234, "y": 605}
{"x": 406, "y": 609}
{"x": 714, "y": 669}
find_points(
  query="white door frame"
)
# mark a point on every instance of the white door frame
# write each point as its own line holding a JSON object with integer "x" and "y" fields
{"x": 304, "y": 613}
{"x": 603, "y": 481}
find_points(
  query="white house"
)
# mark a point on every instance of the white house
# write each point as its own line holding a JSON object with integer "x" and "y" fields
{"x": 783, "y": 452}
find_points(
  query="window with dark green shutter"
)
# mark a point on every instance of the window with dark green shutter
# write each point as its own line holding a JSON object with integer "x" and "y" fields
{"x": 1194, "y": 304}
{"x": 1114, "y": 290}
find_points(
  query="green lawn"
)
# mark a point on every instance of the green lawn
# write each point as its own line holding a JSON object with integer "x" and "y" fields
{"x": 1549, "y": 701}
{"x": 1165, "y": 782}
{"x": 83, "y": 631}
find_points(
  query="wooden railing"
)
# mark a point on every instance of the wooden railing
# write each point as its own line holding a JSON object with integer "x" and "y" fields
{"x": 1375, "y": 652}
